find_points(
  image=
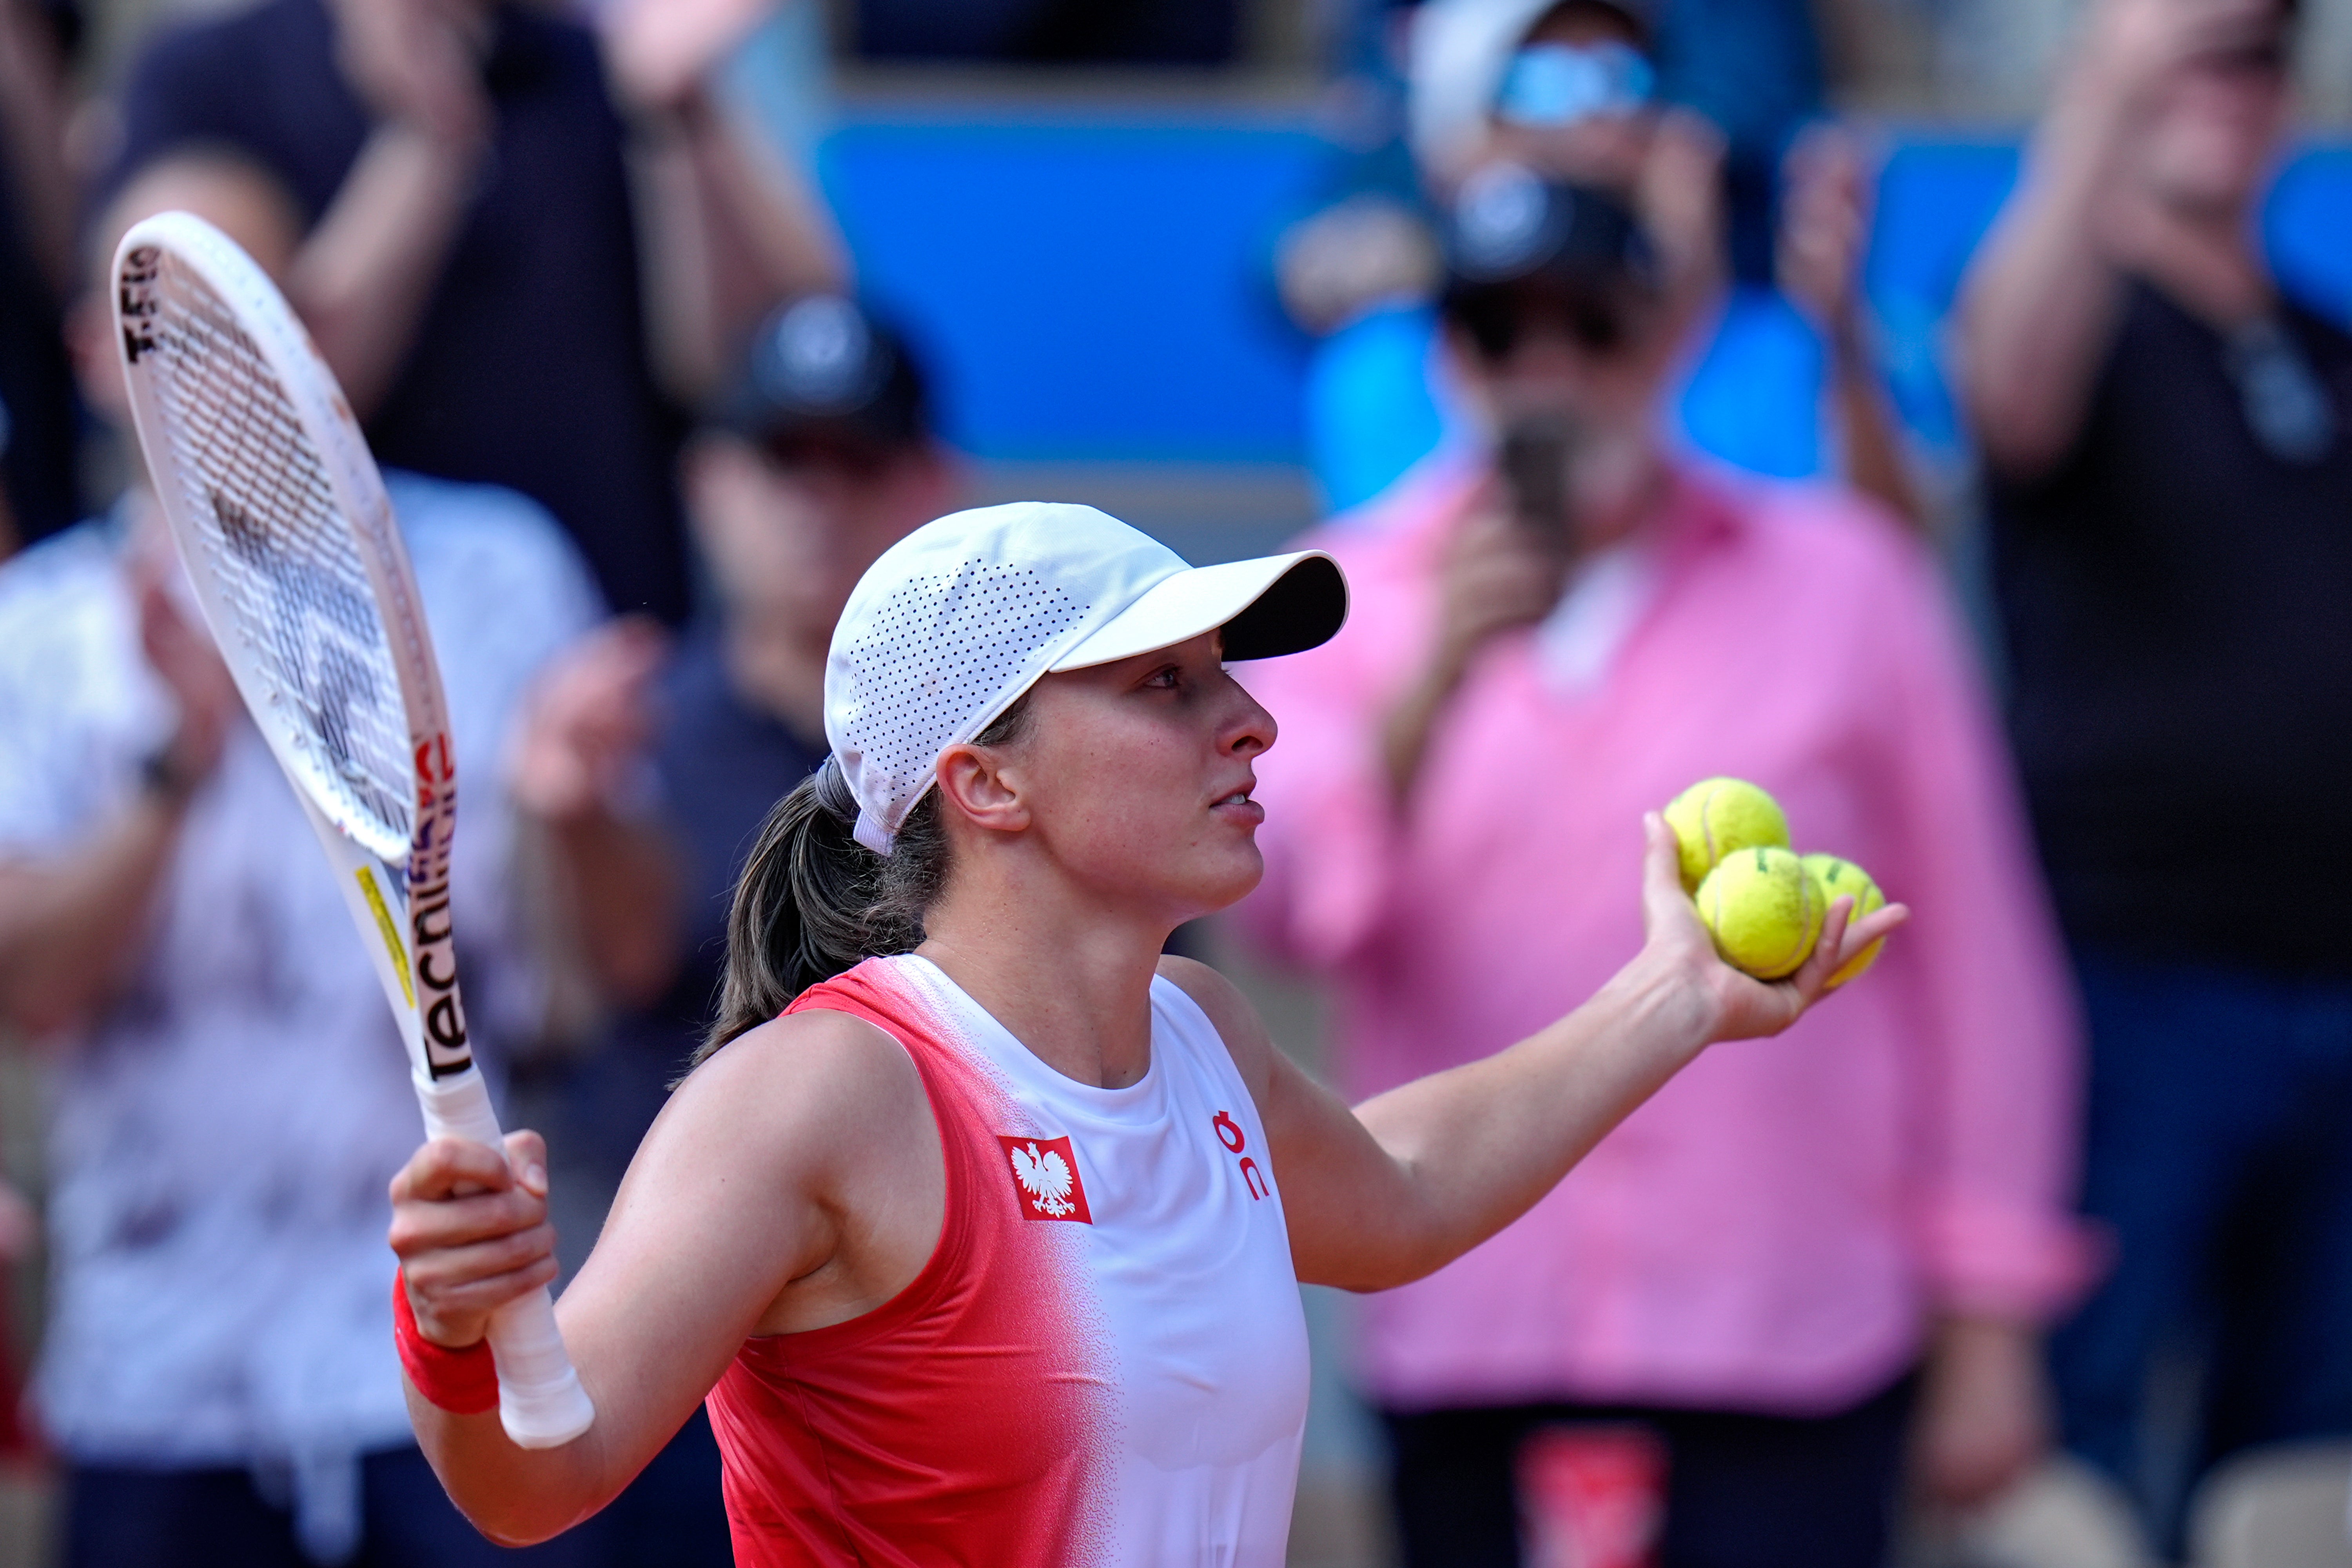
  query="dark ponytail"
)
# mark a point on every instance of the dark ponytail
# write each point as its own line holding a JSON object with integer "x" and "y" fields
{"x": 814, "y": 901}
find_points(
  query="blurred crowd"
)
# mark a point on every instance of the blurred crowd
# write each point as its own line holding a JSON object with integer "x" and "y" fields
{"x": 2068, "y": 1174}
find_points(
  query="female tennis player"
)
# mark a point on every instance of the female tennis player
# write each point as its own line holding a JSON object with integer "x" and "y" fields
{"x": 979, "y": 1224}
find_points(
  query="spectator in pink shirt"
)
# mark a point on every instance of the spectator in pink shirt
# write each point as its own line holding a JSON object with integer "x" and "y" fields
{"x": 1800, "y": 1249}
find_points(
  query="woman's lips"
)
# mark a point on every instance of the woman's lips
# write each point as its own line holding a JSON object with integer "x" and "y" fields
{"x": 1239, "y": 807}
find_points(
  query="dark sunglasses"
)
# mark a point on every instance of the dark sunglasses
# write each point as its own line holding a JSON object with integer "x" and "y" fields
{"x": 1499, "y": 322}
{"x": 847, "y": 452}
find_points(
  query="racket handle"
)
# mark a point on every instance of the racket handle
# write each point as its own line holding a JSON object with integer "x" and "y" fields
{"x": 541, "y": 1402}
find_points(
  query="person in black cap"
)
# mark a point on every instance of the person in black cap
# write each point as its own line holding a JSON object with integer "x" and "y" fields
{"x": 1569, "y": 89}
{"x": 1580, "y": 91}
{"x": 648, "y": 763}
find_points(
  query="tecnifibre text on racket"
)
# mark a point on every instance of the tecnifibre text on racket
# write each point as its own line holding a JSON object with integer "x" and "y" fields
{"x": 283, "y": 521}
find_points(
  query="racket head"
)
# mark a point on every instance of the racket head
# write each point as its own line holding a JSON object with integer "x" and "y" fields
{"x": 288, "y": 537}
{"x": 279, "y": 510}
{"x": 282, "y": 517}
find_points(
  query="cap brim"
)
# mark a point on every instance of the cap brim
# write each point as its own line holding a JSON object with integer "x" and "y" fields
{"x": 1268, "y": 606}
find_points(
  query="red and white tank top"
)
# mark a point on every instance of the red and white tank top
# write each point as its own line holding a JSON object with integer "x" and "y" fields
{"x": 1104, "y": 1360}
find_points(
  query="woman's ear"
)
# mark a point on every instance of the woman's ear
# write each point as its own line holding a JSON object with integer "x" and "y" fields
{"x": 972, "y": 782}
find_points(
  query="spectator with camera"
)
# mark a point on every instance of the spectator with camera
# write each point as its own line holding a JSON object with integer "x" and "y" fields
{"x": 1793, "y": 1254}
{"x": 1698, "y": 105}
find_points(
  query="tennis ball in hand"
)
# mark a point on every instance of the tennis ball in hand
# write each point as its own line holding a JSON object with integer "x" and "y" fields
{"x": 1839, "y": 879}
{"x": 1716, "y": 818}
{"x": 1764, "y": 909}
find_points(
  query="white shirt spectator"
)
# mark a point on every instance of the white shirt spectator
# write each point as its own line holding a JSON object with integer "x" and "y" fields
{"x": 223, "y": 1136}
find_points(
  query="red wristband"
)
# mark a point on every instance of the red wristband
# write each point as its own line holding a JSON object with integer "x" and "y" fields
{"x": 464, "y": 1383}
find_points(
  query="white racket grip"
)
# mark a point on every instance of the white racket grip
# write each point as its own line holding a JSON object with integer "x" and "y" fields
{"x": 541, "y": 1402}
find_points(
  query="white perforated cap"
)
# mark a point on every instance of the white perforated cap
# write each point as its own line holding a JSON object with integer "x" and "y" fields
{"x": 958, "y": 619}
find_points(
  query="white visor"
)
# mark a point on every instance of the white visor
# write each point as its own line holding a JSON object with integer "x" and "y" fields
{"x": 957, "y": 620}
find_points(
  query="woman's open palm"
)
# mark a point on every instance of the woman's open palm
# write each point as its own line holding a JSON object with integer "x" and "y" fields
{"x": 1744, "y": 1006}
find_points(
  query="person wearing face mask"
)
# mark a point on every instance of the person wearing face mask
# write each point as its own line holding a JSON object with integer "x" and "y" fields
{"x": 2166, "y": 428}
{"x": 1788, "y": 1258}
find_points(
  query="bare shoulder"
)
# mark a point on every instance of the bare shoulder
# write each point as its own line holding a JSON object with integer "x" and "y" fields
{"x": 1237, "y": 1023}
{"x": 770, "y": 1161}
{"x": 811, "y": 1083}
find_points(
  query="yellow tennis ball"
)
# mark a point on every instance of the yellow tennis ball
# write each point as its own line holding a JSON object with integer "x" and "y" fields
{"x": 1764, "y": 911}
{"x": 1840, "y": 880}
{"x": 1717, "y": 817}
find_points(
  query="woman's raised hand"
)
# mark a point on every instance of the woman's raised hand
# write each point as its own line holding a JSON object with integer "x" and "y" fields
{"x": 470, "y": 1224}
{"x": 1739, "y": 1006}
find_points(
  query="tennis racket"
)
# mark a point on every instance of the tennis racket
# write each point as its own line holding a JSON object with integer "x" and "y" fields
{"x": 283, "y": 521}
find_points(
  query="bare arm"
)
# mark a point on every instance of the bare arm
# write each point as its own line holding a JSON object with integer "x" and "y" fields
{"x": 1875, "y": 463}
{"x": 732, "y": 228}
{"x": 584, "y": 729}
{"x": 622, "y": 882}
{"x": 730, "y": 1223}
{"x": 364, "y": 278}
{"x": 2039, "y": 307}
{"x": 1417, "y": 1176}
{"x": 1678, "y": 192}
{"x": 732, "y": 225}
{"x": 1984, "y": 1413}
{"x": 71, "y": 925}
{"x": 1824, "y": 235}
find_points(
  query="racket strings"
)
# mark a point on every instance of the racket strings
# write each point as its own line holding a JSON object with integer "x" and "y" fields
{"x": 283, "y": 561}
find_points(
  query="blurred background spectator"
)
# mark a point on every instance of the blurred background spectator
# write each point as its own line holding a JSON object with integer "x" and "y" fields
{"x": 230, "y": 1098}
{"x": 651, "y": 761}
{"x": 1180, "y": 261}
{"x": 2166, "y": 430}
{"x": 1560, "y": 85}
{"x": 470, "y": 260}
{"x": 1539, "y": 645}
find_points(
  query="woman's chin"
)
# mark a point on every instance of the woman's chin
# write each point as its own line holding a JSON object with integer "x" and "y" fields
{"x": 1231, "y": 883}
{"x": 1208, "y": 884}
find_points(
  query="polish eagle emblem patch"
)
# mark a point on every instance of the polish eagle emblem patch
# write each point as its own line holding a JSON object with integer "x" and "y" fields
{"x": 1046, "y": 1178}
